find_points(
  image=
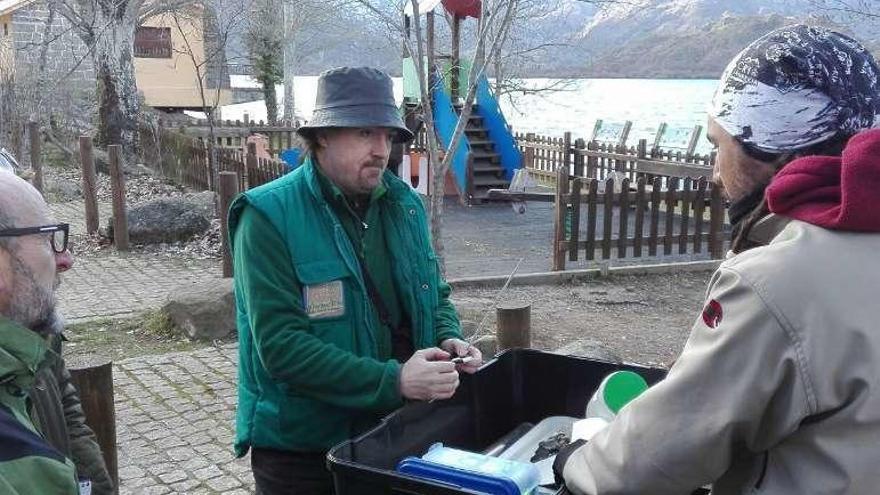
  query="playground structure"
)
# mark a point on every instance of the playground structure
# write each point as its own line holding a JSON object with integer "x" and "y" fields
{"x": 486, "y": 156}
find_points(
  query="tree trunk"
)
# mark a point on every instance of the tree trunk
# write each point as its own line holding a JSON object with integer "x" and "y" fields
{"x": 213, "y": 166}
{"x": 499, "y": 75}
{"x": 289, "y": 74}
{"x": 271, "y": 99}
{"x": 438, "y": 191}
{"x": 288, "y": 59}
{"x": 118, "y": 104}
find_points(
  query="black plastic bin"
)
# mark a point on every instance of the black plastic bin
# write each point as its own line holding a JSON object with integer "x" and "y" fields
{"x": 517, "y": 386}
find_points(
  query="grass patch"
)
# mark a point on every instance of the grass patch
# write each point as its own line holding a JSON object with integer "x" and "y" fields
{"x": 151, "y": 332}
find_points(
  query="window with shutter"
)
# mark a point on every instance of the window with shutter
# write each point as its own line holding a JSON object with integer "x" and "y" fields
{"x": 152, "y": 42}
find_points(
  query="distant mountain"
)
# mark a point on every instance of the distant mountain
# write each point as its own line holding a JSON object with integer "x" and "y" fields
{"x": 637, "y": 38}
{"x": 681, "y": 38}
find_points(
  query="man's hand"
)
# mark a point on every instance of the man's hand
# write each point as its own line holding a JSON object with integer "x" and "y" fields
{"x": 561, "y": 458}
{"x": 428, "y": 375}
{"x": 460, "y": 348}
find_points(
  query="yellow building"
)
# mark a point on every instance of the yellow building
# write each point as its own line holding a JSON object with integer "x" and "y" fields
{"x": 170, "y": 50}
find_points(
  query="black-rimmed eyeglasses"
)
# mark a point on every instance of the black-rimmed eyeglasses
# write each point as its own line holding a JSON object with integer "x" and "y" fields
{"x": 58, "y": 234}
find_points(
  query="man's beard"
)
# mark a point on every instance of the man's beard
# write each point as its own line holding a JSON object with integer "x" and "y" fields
{"x": 32, "y": 306}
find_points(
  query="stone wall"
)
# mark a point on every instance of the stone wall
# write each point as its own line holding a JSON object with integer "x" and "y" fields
{"x": 65, "y": 89}
{"x": 67, "y": 59}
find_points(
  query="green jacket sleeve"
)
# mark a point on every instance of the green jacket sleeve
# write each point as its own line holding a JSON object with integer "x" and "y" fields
{"x": 279, "y": 324}
{"x": 30, "y": 475}
{"x": 446, "y": 324}
{"x": 29, "y": 464}
{"x": 84, "y": 447}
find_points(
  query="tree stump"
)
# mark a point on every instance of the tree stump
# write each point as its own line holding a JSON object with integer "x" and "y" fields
{"x": 93, "y": 380}
{"x": 514, "y": 325}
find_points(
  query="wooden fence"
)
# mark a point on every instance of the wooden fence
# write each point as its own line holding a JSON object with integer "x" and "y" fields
{"x": 233, "y": 134}
{"x": 184, "y": 159}
{"x": 544, "y": 155}
{"x": 637, "y": 218}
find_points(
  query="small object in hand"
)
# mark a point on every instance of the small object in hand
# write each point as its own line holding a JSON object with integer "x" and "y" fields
{"x": 550, "y": 446}
{"x": 462, "y": 360}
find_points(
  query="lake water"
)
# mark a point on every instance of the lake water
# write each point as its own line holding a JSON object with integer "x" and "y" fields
{"x": 681, "y": 104}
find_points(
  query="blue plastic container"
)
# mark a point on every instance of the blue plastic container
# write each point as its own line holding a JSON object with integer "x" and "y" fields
{"x": 479, "y": 472}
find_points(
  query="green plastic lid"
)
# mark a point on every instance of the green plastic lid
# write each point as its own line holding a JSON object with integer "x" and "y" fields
{"x": 621, "y": 387}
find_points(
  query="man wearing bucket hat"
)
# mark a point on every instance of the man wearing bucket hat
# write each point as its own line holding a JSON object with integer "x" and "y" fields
{"x": 336, "y": 285}
{"x": 778, "y": 387}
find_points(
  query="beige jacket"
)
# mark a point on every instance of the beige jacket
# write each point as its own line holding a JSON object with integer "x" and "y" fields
{"x": 781, "y": 397}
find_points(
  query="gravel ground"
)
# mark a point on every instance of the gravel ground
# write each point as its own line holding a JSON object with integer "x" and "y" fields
{"x": 641, "y": 318}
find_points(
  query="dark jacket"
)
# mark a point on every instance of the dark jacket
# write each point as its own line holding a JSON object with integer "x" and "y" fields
{"x": 28, "y": 464}
{"x": 56, "y": 411}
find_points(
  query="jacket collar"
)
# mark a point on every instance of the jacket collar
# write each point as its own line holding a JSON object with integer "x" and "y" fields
{"x": 22, "y": 352}
{"x": 768, "y": 228}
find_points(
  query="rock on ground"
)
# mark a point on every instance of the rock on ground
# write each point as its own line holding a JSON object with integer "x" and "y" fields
{"x": 205, "y": 311}
{"x": 60, "y": 190}
{"x": 168, "y": 220}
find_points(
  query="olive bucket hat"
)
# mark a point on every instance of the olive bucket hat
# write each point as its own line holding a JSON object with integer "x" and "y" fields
{"x": 356, "y": 97}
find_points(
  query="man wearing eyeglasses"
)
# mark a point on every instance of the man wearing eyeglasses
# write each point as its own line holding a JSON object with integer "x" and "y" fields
{"x": 45, "y": 446}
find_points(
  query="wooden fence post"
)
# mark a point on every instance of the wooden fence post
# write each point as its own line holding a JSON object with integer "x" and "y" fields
{"x": 514, "y": 325}
{"x": 36, "y": 158}
{"x": 228, "y": 191}
{"x": 251, "y": 166}
{"x": 95, "y": 386}
{"x": 579, "y": 144}
{"x": 716, "y": 223}
{"x": 87, "y": 161}
{"x": 117, "y": 184}
{"x": 529, "y": 156}
{"x": 566, "y": 152}
{"x": 561, "y": 207}
{"x": 642, "y": 150}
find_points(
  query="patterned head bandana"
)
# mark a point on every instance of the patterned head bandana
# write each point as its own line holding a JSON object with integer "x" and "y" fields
{"x": 796, "y": 87}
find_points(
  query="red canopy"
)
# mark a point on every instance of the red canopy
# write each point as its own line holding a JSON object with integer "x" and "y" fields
{"x": 463, "y": 8}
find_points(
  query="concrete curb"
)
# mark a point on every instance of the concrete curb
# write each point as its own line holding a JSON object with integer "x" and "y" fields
{"x": 563, "y": 277}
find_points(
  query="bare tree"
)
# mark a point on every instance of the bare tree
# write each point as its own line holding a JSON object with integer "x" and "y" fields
{"x": 526, "y": 46}
{"x": 265, "y": 42}
{"x": 278, "y": 34}
{"x": 10, "y": 130}
{"x": 302, "y": 18}
{"x": 496, "y": 17}
{"x": 205, "y": 29}
{"x": 55, "y": 90}
{"x": 107, "y": 28}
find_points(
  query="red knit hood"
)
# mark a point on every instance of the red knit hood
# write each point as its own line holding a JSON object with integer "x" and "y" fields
{"x": 839, "y": 193}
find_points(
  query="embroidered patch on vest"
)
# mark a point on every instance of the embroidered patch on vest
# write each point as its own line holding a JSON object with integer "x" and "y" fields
{"x": 712, "y": 314}
{"x": 324, "y": 300}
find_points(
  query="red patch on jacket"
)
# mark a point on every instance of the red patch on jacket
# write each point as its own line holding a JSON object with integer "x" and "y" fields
{"x": 712, "y": 314}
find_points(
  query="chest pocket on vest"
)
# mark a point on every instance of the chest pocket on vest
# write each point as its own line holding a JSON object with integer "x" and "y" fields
{"x": 326, "y": 300}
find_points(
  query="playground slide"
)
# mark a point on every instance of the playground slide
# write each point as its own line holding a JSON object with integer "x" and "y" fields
{"x": 445, "y": 120}
{"x": 499, "y": 132}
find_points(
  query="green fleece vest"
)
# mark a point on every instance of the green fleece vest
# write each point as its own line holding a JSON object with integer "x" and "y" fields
{"x": 274, "y": 415}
